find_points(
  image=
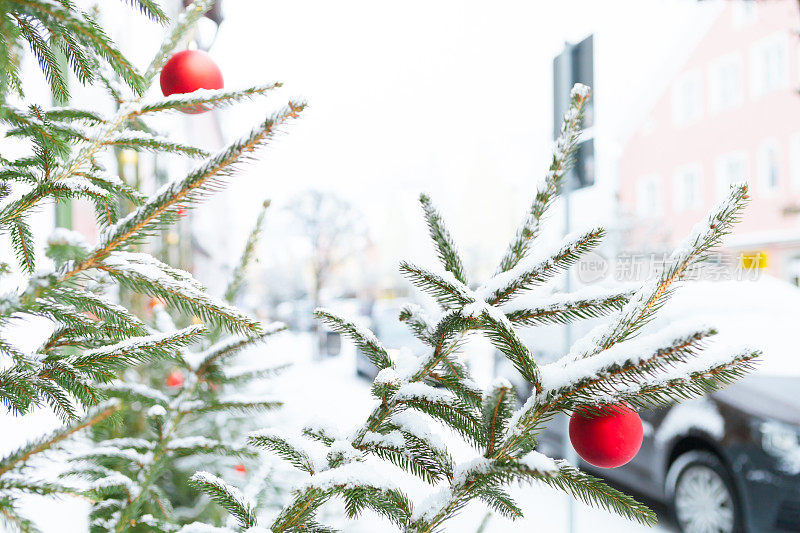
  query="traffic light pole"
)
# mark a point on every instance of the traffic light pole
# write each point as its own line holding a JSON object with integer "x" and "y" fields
{"x": 562, "y": 83}
{"x": 567, "y": 451}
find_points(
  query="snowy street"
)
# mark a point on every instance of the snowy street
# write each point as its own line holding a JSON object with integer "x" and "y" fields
{"x": 347, "y": 399}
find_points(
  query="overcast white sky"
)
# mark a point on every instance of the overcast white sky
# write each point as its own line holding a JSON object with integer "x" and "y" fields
{"x": 451, "y": 97}
{"x": 436, "y": 96}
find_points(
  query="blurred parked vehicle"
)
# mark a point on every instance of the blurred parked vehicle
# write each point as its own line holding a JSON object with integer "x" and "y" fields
{"x": 297, "y": 314}
{"x": 393, "y": 334}
{"x": 730, "y": 462}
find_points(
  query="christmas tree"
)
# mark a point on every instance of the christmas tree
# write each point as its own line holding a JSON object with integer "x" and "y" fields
{"x": 90, "y": 340}
{"x": 193, "y": 417}
{"x": 604, "y": 374}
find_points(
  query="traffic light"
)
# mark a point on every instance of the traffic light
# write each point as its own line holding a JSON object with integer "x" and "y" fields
{"x": 576, "y": 65}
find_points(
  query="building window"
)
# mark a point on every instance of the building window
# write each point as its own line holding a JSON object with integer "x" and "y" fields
{"x": 769, "y": 60}
{"x": 794, "y": 160}
{"x": 731, "y": 168}
{"x": 794, "y": 270}
{"x": 686, "y": 191}
{"x": 648, "y": 196}
{"x": 744, "y": 13}
{"x": 768, "y": 167}
{"x": 725, "y": 83}
{"x": 687, "y": 98}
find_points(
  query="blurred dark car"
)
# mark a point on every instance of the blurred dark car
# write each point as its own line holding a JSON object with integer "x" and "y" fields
{"x": 393, "y": 334}
{"x": 730, "y": 462}
{"x": 726, "y": 464}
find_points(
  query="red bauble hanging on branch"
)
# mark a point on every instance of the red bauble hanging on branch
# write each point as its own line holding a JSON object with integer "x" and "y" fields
{"x": 175, "y": 379}
{"x": 609, "y": 440}
{"x": 188, "y": 71}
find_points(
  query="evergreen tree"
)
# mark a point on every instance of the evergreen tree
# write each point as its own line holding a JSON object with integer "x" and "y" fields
{"x": 613, "y": 364}
{"x": 172, "y": 426}
{"x": 92, "y": 339}
{"x": 19, "y": 477}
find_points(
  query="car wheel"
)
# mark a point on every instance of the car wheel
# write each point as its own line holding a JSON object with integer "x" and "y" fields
{"x": 702, "y": 495}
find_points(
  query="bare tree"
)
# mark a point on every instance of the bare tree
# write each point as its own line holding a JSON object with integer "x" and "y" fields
{"x": 335, "y": 231}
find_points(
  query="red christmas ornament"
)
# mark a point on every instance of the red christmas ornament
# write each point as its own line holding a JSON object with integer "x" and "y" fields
{"x": 175, "y": 379}
{"x": 240, "y": 468}
{"x": 155, "y": 302}
{"x": 608, "y": 440}
{"x": 188, "y": 71}
{"x": 181, "y": 211}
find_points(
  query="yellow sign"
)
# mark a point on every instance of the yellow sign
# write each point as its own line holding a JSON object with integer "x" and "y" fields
{"x": 753, "y": 260}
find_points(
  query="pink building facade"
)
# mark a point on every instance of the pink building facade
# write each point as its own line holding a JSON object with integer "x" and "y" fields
{"x": 731, "y": 113}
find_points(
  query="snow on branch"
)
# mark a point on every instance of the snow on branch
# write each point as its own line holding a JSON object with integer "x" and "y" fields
{"x": 246, "y": 404}
{"x": 564, "y": 375}
{"x": 145, "y": 273}
{"x": 440, "y": 236}
{"x": 112, "y": 452}
{"x": 67, "y": 237}
{"x": 137, "y": 391}
{"x": 536, "y": 268}
{"x": 719, "y": 366}
{"x": 497, "y": 408}
{"x": 548, "y": 190}
{"x": 95, "y": 415}
{"x": 292, "y": 448}
{"x": 647, "y": 300}
{"x": 353, "y": 475}
{"x": 200, "y": 527}
{"x": 420, "y": 391}
{"x": 205, "y": 98}
{"x": 418, "y": 321}
{"x": 362, "y": 336}
{"x": 200, "y": 362}
{"x": 593, "y": 491}
{"x": 138, "y": 349}
{"x": 325, "y": 431}
{"x": 587, "y": 302}
{"x": 444, "y": 287}
{"x": 186, "y": 190}
{"x": 100, "y": 306}
{"x": 360, "y": 485}
{"x": 140, "y": 140}
{"x": 414, "y": 423}
{"x": 228, "y": 496}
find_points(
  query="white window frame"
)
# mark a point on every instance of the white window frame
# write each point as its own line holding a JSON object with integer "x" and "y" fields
{"x": 794, "y": 161}
{"x": 765, "y": 167}
{"x": 793, "y": 269}
{"x": 797, "y": 55}
{"x": 716, "y": 91}
{"x": 743, "y": 13}
{"x": 648, "y": 196}
{"x": 681, "y": 112}
{"x": 682, "y": 201}
{"x": 758, "y": 86}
